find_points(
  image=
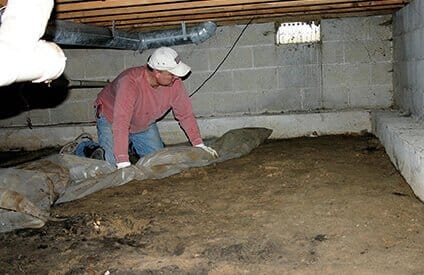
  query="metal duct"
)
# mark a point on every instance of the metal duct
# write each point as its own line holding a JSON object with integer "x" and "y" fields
{"x": 83, "y": 35}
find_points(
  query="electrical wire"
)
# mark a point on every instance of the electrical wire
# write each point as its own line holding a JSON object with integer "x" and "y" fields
{"x": 225, "y": 57}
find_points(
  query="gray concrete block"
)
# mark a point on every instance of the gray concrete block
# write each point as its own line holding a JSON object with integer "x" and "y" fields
{"x": 220, "y": 82}
{"x": 83, "y": 94}
{"x": 419, "y": 71}
{"x": 245, "y": 104}
{"x": 335, "y": 98}
{"x": 417, "y": 43}
{"x": 198, "y": 59}
{"x": 258, "y": 34}
{"x": 298, "y": 54}
{"x": 135, "y": 58}
{"x": 380, "y": 50}
{"x": 104, "y": 64}
{"x": 265, "y": 56}
{"x": 239, "y": 58}
{"x": 381, "y": 73}
{"x": 359, "y": 51}
{"x": 299, "y": 76}
{"x": 72, "y": 112}
{"x": 195, "y": 80}
{"x": 311, "y": 99}
{"x": 224, "y": 37}
{"x": 403, "y": 142}
{"x": 355, "y": 28}
{"x": 357, "y": 75}
{"x": 371, "y": 97}
{"x": 284, "y": 100}
{"x": 255, "y": 80}
{"x": 333, "y": 52}
{"x": 397, "y": 23}
{"x": 380, "y": 27}
{"x": 75, "y": 67}
{"x": 204, "y": 104}
{"x": 333, "y": 76}
{"x": 36, "y": 116}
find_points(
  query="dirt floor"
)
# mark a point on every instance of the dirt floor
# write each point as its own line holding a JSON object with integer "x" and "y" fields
{"x": 326, "y": 205}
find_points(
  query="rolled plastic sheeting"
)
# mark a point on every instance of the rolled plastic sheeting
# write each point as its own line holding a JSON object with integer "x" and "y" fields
{"x": 62, "y": 178}
{"x": 23, "y": 56}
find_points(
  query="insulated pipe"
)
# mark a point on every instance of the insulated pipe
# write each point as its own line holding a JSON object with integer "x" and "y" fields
{"x": 77, "y": 34}
{"x": 23, "y": 56}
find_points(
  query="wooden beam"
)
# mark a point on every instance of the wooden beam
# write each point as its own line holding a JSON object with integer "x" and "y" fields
{"x": 279, "y": 18}
{"x": 217, "y": 17}
{"x": 110, "y": 6}
{"x": 235, "y": 10}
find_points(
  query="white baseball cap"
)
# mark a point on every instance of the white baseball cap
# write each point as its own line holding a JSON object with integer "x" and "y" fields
{"x": 167, "y": 59}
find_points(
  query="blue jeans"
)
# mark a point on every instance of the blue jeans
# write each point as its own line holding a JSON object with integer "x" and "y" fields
{"x": 142, "y": 143}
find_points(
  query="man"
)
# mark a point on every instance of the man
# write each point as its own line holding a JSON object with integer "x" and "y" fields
{"x": 129, "y": 106}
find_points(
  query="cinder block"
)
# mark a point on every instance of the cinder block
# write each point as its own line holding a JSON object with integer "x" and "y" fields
{"x": 220, "y": 82}
{"x": 357, "y": 75}
{"x": 333, "y": 52}
{"x": 195, "y": 80}
{"x": 72, "y": 112}
{"x": 265, "y": 56}
{"x": 258, "y": 34}
{"x": 204, "y": 104}
{"x": 354, "y": 28}
{"x": 335, "y": 98}
{"x": 75, "y": 67}
{"x": 135, "y": 58}
{"x": 284, "y": 100}
{"x": 382, "y": 73}
{"x": 197, "y": 59}
{"x": 36, "y": 116}
{"x": 360, "y": 51}
{"x": 255, "y": 80}
{"x": 403, "y": 142}
{"x": 246, "y": 103}
{"x": 311, "y": 98}
{"x": 106, "y": 64}
{"x": 419, "y": 71}
{"x": 83, "y": 94}
{"x": 371, "y": 97}
{"x": 333, "y": 76}
{"x": 380, "y": 50}
{"x": 299, "y": 76}
{"x": 224, "y": 37}
{"x": 380, "y": 27}
{"x": 298, "y": 54}
{"x": 240, "y": 58}
{"x": 331, "y": 31}
{"x": 397, "y": 23}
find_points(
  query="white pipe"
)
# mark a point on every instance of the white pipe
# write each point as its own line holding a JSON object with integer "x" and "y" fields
{"x": 23, "y": 56}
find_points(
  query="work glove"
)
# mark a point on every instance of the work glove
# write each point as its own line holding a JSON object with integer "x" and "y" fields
{"x": 207, "y": 149}
{"x": 124, "y": 164}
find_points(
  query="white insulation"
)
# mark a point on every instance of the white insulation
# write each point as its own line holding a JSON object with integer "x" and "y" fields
{"x": 23, "y": 56}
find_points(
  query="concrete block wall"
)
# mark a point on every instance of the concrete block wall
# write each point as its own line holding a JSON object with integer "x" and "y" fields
{"x": 408, "y": 80}
{"x": 349, "y": 69}
{"x": 403, "y": 141}
{"x": 357, "y": 63}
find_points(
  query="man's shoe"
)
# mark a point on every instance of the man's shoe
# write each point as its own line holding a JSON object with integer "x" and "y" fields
{"x": 69, "y": 148}
{"x": 98, "y": 153}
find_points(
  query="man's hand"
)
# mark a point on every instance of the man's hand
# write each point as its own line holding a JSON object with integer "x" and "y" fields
{"x": 121, "y": 165}
{"x": 207, "y": 149}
